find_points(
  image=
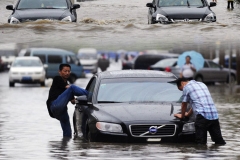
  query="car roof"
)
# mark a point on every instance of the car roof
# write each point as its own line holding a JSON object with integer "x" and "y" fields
{"x": 26, "y": 58}
{"x": 135, "y": 74}
{"x": 53, "y": 50}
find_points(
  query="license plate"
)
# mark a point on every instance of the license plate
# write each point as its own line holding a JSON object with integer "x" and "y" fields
{"x": 26, "y": 78}
{"x": 87, "y": 71}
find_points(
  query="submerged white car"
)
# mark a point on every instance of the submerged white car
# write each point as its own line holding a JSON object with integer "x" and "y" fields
{"x": 27, "y": 70}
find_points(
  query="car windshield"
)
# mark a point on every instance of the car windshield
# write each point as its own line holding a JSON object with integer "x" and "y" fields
{"x": 168, "y": 3}
{"x": 42, "y": 4}
{"x": 140, "y": 90}
{"x": 27, "y": 63}
{"x": 165, "y": 63}
{"x": 87, "y": 56}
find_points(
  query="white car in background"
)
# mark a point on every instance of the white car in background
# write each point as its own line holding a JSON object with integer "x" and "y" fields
{"x": 88, "y": 58}
{"x": 27, "y": 70}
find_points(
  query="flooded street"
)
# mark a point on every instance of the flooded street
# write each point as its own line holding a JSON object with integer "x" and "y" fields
{"x": 27, "y": 131}
{"x": 121, "y": 24}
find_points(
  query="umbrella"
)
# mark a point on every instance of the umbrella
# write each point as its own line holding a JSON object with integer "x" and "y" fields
{"x": 196, "y": 59}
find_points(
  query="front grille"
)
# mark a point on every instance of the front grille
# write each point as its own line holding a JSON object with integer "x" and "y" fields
{"x": 162, "y": 130}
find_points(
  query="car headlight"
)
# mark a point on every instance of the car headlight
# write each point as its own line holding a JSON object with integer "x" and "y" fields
{"x": 109, "y": 127}
{"x": 161, "y": 18}
{"x": 67, "y": 19}
{"x": 14, "y": 20}
{"x": 209, "y": 18}
{"x": 189, "y": 127}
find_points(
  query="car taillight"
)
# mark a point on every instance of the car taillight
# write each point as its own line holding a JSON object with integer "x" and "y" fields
{"x": 168, "y": 69}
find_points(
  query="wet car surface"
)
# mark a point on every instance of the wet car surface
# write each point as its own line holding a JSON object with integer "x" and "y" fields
{"x": 168, "y": 11}
{"x": 27, "y": 10}
{"x": 129, "y": 106}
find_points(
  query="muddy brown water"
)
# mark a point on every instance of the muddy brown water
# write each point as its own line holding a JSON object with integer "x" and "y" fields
{"x": 113, "y": 25}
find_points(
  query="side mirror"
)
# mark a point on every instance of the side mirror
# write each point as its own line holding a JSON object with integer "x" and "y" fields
{"x": 45, "y": 66}
{"x": 75, "y": 6}
{"x": 82, "y": 100}
{"x": 212, "y": 4}
{"x": 9, "y": 7}
{"x": 149, "y": 5}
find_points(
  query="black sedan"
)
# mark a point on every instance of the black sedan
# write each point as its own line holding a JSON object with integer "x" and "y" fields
{"x": 132, "y": 106}
{"x": 29, "y": 10}
{"x": 171, "y": 11}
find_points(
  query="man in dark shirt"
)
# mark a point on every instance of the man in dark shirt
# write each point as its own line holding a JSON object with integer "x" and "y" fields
{"x": 60, "y": 94}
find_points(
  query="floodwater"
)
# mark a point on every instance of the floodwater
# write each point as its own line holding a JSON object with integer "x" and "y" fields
{"x": 27, "y": 131}
{"x": 121, "y": 24}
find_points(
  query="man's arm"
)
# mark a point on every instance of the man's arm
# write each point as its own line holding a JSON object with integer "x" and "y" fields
{"x": 184, "y": 108}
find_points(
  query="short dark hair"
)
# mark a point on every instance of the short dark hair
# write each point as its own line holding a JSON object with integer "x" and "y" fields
{"x": 179, "y": 80}
{"x": 64, "y": 65}
{"x": 188, "y": 57}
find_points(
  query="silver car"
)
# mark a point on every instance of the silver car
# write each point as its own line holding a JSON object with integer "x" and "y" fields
{"x": 211, "y": 72}
{"x": 27, "y": 70}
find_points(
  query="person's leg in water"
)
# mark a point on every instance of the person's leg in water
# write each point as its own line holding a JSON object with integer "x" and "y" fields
{"x": 59, "y": 107}
{"x": 65, "y": 124}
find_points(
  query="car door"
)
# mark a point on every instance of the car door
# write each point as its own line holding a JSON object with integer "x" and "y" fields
{"x": 217, "y": 72}
{"x": 76, "y": 67}
{"x": 206, "y": 73}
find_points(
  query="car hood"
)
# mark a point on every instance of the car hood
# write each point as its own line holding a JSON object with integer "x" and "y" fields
{"x": 34, "y": 14}
{"x": 183, "y": 12}
{"x": 26, "y": 69}
{"x": 124, "y": 112}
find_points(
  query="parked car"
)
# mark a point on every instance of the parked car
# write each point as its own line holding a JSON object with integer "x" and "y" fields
{"x": 29, "y": 10}
{"x": 1, "y": 64}
{"x": 132, "y": 106}
{"x": 52, "y": 57}
{"x": 128, "y": 59}
{"x": 210, "y": 73}
{"x": 89, "y": 59}
{"x": 226, "y": 61}
{"x": 27, "y": 70}
{"x": 144, "y": 61}
{"x": 7, "y": 59}
{"x": 171, "y": 11}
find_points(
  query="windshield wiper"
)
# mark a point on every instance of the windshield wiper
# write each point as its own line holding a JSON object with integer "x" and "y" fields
{"x": 188, "y": 3}
{"x": 200, "y": 6}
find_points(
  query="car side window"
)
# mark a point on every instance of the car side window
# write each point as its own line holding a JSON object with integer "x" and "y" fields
{"x": 213, "y": 65}
{"x": 90, "y": 88}
{"x": 69, "y": 60}
{"x": 205, "y": 65}
{"x": 42, "y": 57}
{"x": 54, "y": 59}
